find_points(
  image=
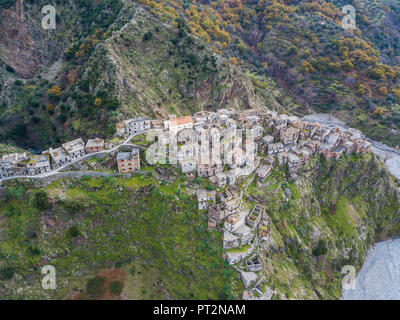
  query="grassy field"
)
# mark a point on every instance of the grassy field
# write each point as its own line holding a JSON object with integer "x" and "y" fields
{"x": 96, "y": 230}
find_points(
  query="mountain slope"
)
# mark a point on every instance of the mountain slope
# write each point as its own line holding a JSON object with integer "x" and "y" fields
{"x": 138, "y": 65}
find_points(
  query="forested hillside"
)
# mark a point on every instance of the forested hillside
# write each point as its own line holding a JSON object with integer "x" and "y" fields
{"x": 111, "y": 59}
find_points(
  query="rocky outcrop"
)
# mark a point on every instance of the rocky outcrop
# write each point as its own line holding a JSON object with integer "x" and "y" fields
{"x": 24, "y": 45}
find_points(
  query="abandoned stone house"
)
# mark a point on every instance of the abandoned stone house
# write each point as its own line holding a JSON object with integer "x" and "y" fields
{"x": 281, "y": 119}
{"x": 204, "y": 170}
{"x": 235, "y": 158}
{"x": 282, "y": 157}
{"x": 205, "y": 116}
{"x": 188, "y": 166}
{"x": 230, "y": 199}
{"x": 59, "y": 156}
{"x": 205, "y": 198}
{"x": 255, "y": 216}
{"x": 133, "y": 126}
{"x": 248, "y": 278}
{"x": 5, "y": 168}
{"x": 218, "y": 212}
{"x": 186, "y": 152}
{"x": 221, "y": 180}
{"x": 231, "y": 176}
{"x": 234, "y": 220}
{"x": 156, "y": 124}
{"x": 16, "y": 157}
{"x": 337, "y": 152}
{"x": 39, "y": 165}
{"x": 349, "y": 147}
{"x": 244, "y": 233}
{"x": 94, "y": 145}
{"x": 265, "y": 143}
{"x": 289, "y": 135}
{"x": 75, "y": 149}
{"x": 263, "y": 172}
{"x": 293, "y": 160}
{"x": 129, "y": 161}
{"x": 332, "y": 139}
{"x": 254, "y": 264}
{"x": 275, "y": 148}
{"x": 363, "y": 147}
{"x": 229, "y": 240}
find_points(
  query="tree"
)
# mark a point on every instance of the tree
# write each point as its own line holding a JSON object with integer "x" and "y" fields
{"x": 73, "y": 232}
{"x": 97, "y": 102}
{"x": 6, "y": 273}
{"x": 396, "y": 92}
{"x": 292, "y": 50}
{"x": 383, "y": 91}
{"x": 321, "y": 248}
{"x": 347, "y": 65}
{"x": 307, "y": 67}
{"x": 40, "y": 200}
{"x": 116, "y": 288}
{"x": 233, "y": 61}
{"x": 54, "y": 91}
{"x": 95, "y": 287}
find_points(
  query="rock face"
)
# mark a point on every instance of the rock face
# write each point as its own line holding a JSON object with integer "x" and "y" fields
{"x": 24, "y": 45}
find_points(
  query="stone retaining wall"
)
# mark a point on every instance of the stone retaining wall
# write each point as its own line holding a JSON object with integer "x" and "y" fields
{"x": 3, "y": 193}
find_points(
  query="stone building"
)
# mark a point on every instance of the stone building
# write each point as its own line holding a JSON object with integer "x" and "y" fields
{"x": 39, "y": 165}
{"x": 75, "y": 149}
{"x": 60, "y": 157}
{"x": 129, "y": 161}
{"x": 94, "y": 145}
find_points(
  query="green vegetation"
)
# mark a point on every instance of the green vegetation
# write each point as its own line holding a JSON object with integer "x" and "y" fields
{"x": 318, "y": 229}
{"x": 103, "y": 222}
{"x": 7, "y": 3}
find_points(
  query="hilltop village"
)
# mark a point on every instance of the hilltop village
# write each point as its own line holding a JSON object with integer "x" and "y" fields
{"x": 279, "y": 139}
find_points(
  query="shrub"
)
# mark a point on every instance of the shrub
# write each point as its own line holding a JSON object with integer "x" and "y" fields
{"x": 6, "y": 273}
{"x": 8, "y": 68}
{"x": 40, "y": 200}
{"x": 116, "y": 288}
{"x": 233, "y": 61}
{"x": 73, "y": 232}
{"x": 147, "y": 36}
{"x": 97, "y": 102}
{"x": 383, "y": 91}
{"x": 347, "y": 65}
{"x": 95, "y": 287}
{"x": 320, "y": 249}
{"x": 54, "y": 91}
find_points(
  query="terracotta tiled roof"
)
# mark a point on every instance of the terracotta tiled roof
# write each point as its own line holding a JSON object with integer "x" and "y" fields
{"x": 181, "y": 121}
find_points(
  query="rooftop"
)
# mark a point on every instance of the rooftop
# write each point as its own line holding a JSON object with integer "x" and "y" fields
{"x": 180, "y": 121}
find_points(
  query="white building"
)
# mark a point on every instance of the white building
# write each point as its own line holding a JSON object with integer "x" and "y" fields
{"x": 75, "y": 149}
{"x": 59, "y": 156}
{"x": 177, "y": 124}
{"x": 5, "y": 169}
{"x": 39, "y": 165}
{"x": 204, "y": 197}
{"x": 133, "y": 126}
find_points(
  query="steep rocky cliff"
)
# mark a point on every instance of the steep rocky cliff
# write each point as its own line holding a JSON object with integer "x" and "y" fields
{"x": 24, "y": 45}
